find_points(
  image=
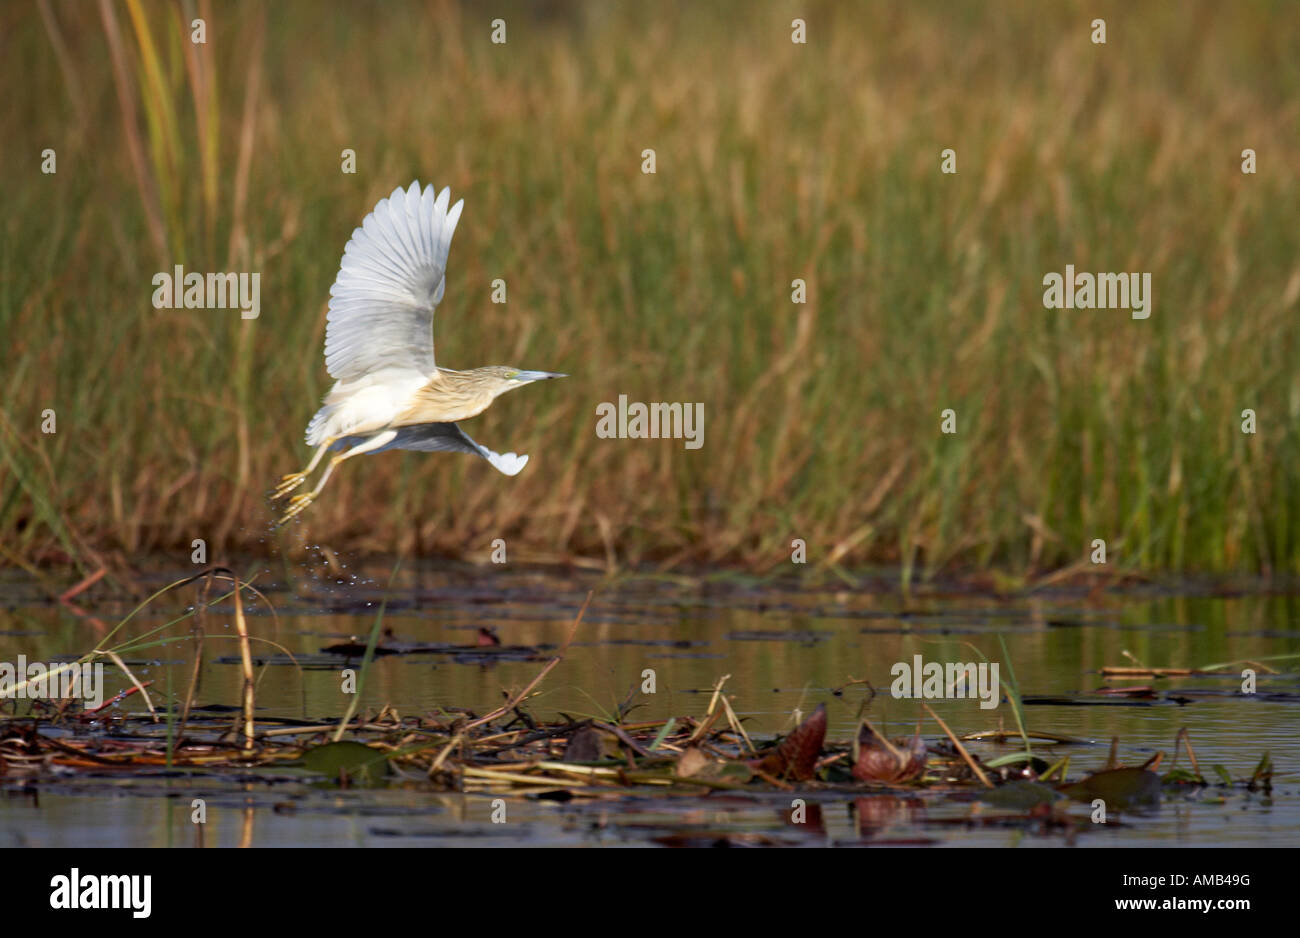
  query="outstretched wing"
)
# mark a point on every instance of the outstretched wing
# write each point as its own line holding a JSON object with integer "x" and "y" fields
{"x": 445, "y": 438}
{"x": 392, "y": 276}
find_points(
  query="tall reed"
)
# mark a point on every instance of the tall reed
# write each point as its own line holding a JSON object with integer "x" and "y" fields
{"x": 776, "y": 161}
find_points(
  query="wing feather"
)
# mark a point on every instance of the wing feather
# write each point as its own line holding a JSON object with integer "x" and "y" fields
{"x": 445, "y": 438}
{"x": 392, "y": 277}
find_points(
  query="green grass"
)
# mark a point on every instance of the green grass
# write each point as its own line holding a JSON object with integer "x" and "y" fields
{"x": 775, "y": 161}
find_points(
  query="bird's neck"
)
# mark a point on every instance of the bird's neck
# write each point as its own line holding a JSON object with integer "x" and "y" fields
{"x": 451, "y": 381}
{"x": 449, "y": 396}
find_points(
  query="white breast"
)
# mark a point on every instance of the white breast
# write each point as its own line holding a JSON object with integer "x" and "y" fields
{"x": 365, "y": 405}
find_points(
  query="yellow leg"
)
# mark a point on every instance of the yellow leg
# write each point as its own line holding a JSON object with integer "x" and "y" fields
{"x": 299, "y": 503}
{"x": 294, "y": 479}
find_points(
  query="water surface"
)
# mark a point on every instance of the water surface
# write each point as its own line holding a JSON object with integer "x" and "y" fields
{"x": 786, "y": 648}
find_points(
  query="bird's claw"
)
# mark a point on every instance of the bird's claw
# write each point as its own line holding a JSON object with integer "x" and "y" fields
{"x": 296, "y": 506}
{"x": 287, "y": 484}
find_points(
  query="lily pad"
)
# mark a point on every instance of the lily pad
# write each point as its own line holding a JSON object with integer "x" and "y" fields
{"x": 1020, "y": 795}
{"x": 355, "y": 763}
{"x": 1119, "y": 788}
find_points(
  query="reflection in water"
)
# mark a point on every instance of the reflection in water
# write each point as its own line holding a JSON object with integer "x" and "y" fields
{"x": 879, "y": 813}
{"x": 461, "y": 641}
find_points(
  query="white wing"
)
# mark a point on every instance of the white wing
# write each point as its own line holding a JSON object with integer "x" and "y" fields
{"x": 392, "y": 276}
{"x": 445, "y": 438}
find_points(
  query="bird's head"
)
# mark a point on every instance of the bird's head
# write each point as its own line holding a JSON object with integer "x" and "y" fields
{"x": 503, "y": 378}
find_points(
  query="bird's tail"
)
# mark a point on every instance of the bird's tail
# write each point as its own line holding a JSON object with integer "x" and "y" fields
{"x": 316, "y": 429}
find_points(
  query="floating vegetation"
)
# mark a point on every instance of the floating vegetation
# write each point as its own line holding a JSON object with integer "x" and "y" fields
{"x": 507, "y": 751}
{"x": 1002, "y": 776}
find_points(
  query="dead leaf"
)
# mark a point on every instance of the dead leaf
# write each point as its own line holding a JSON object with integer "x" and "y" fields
{"x": 586, "y": 745}
{"x": 693, "y": 762}
{"x": 880, "y": 762}
{"x": 797, "y": 755}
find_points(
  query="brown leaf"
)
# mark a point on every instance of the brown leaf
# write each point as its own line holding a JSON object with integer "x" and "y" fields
{"x": 692, "y": 762}
{"x": 877, "y": 762}
{"x": 797, "y": 755}
{"x": 586, "y": 745}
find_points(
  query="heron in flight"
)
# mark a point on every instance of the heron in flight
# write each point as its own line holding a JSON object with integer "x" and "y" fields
{"x": 388, "y": 393}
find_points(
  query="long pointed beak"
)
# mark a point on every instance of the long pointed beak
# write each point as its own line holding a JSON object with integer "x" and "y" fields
{"x": 539, "y": 375}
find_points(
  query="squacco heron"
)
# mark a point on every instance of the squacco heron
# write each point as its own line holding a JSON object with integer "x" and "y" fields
{"x": 388, "y": 393}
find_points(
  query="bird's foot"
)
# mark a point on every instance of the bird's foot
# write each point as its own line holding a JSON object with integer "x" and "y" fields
{"x": 287, "y": 484}
{"x": 296, "y": 506}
